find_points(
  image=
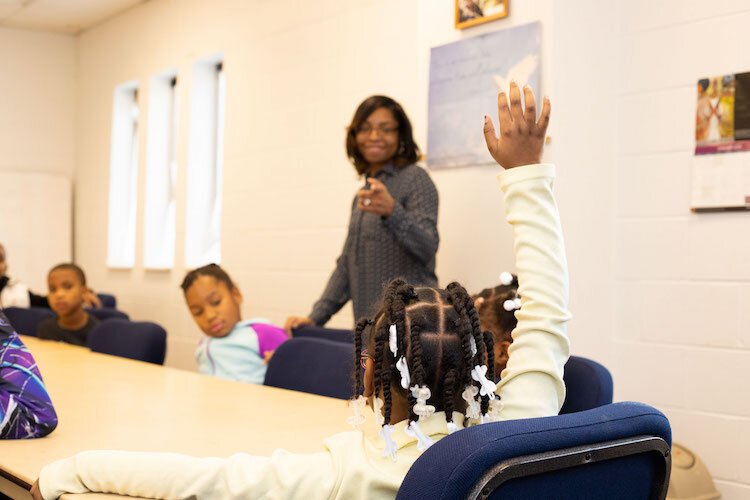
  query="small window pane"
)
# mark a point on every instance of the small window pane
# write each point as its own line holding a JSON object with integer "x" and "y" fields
{"x": 123, "y": 180}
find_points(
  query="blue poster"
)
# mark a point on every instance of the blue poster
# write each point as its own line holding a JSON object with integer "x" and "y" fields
{"x": 464, "y": 79}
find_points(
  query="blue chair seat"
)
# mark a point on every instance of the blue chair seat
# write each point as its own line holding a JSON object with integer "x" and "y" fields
{"x": 587, "y": 383}
{"x": 616, "y": 451}
{"x": 143, "y": 341}
{"x": 318, "y": 332}
{"x": 107, "y": 300}
{"x": 26, "y": 320}
{"x": 106, "y": 314}
{"x": 313, "y": 365}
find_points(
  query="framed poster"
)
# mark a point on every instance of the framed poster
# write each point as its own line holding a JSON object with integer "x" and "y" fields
{"x": 472, "y": 12}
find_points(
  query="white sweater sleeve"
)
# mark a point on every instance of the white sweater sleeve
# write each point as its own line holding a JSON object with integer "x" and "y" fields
{"x": 173, "y": 476}
{"x": 531, "y": 384}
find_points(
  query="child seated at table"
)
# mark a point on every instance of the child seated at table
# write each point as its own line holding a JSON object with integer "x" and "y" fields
{"x": 232, "y": 349}
{"x": 497, "y": 308}
{"x": 25, "y": 407}
{"x": 426, "y": 369}
{"x": 67, "y": 297}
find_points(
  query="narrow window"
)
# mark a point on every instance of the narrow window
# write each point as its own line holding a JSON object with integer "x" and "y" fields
{"x": 123, "y": 177}
{"x": 161, "y": 171}
{"x": 205, "y": 159}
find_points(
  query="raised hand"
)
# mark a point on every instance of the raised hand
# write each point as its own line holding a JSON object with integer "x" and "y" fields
{"x": 521, "y": 136}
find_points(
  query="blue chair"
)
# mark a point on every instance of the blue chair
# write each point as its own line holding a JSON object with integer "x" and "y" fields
{"x": 25, "y": 320}
{"x": 106, "y": 314}
{"x": 143, "y": 341}
{"x": 313, "y": 365}
{"x": 107, "y": 300}
{"x": 588, "y": 385}
{"x": 616, "y": 451}
{"x": 318, "y": 332}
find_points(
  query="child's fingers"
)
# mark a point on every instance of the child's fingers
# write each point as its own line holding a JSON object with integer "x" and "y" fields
{"x": 544, "y": 117}
{"x": 530, "y": 111}
{"x": 516, "y": 110}
{"x": 489, "y": 134}
{"x": 503, "y": 112}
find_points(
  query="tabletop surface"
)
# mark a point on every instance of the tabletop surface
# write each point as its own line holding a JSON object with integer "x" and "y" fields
{"x": 112, "y": 403}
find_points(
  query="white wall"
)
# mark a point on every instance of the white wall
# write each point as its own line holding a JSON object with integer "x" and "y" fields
{"x": 294, "y": 78}
{"x": 659, "y": 296}
{"x": 682, "y": 279}
{"x": 37, "y": 111}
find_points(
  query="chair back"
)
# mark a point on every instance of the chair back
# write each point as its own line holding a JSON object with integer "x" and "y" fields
{"x": 616, "y": 451}
{"x": 107, "y": 300}
{"x": 143, "y": 341}
{"x": 588, "y": 385}
{"x": 313, "y": 365}
{"x": 106, "y": 314}
{"x": 318, "y": 332}
{"x": 25, "y": 320}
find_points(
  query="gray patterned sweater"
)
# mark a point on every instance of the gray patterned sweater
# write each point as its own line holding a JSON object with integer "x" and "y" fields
{"x": 379, "y": 249}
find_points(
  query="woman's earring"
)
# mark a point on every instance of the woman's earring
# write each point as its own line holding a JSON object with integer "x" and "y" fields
{"x": 401, "y": 148}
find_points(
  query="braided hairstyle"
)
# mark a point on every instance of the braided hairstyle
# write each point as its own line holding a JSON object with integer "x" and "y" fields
{"x": 434, "y": 328}
{"x": 493, "y": 316}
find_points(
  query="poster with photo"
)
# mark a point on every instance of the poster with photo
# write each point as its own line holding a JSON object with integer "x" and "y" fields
{"x": 722, "y": 125}
{"x": 722, "y": 114}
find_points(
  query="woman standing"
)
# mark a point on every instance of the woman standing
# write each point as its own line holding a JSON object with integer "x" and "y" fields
{"x": 393, "y": 225}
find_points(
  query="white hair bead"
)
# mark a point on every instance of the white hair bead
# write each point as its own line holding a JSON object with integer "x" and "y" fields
{"x": 509, "y": 305}
{"x": 506, "y": 278}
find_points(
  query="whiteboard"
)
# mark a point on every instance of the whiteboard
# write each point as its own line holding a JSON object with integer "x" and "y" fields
{"x": 35, "y": 224}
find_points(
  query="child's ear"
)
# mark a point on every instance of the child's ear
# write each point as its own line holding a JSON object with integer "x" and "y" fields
{"x": 501, "y": 354}
{"x": 369, "y": 389}
{"x": 237, "y": 295}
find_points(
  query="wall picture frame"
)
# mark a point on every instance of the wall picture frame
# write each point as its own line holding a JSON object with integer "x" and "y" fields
{"x": 470, "y": 13}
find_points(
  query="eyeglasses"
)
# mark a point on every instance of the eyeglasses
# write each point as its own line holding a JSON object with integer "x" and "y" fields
{"x": 382, "y": 130}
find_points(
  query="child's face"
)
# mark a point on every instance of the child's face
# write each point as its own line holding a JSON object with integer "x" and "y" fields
{"x": 66, "y": 291}
{"x": 214, "y": 307}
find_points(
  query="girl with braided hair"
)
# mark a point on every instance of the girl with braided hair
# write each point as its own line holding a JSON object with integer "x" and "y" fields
{"x": 428, "y": 367}
{"x": 497, "y": 308}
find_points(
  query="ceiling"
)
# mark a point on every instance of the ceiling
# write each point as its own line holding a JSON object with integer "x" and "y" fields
{"x": 60, "y": 16}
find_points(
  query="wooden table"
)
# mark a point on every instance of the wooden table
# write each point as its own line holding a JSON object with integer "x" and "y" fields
{"x": 107, "y": 402}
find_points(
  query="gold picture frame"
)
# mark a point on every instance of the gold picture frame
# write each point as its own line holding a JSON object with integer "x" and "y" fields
{"x": 473, "y": 12}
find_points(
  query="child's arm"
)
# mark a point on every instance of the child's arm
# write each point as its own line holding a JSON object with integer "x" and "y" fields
{"x": 175, "y": 476}
{"x": 25, "y": 407}
{"x": 531, "y": 384}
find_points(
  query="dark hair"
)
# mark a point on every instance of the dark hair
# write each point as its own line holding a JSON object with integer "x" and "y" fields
{"x": 492, "y": 313}
{"x": 407, "y": 152}
{"x": 434, "y": 330}
{"x": 213, "y": 270}
{"x": 69, "y": 266}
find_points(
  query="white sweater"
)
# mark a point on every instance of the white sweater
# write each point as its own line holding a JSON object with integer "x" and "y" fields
{"x": 15, "y": 294}
{"x": 352, "y": 465}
